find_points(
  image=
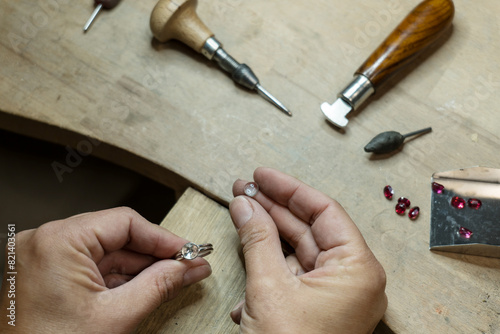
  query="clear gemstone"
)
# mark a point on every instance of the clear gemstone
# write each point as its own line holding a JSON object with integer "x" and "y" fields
{"x": 465, "y": 233}
{"x": 190, "y": 251}
{"x": 400, "y": 209}
{"x": 414, "y": 212}
{"x": 405, "y": 201}
{"x": 388, "y": 192}
{"x": 251, "y": 189}
{"x": 437, "y": 188}
{"x": 474, "y": 203}
{"x": 458, "y": 202}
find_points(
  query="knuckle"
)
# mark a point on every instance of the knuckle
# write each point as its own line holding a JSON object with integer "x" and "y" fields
{"x": 254, "y": 234}
{"x": 126, "y": 211}
{"x": 45, "y": 233}
{"x": 336, "y": 206}
{"x": 297, "y": 236}
{"x": 378, "y": 277}
{"x": 166, "y": 287}
{"x": 23, "y": 235}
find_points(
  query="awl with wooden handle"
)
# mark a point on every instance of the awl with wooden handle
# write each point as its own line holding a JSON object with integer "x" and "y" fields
{"x": 177, "y": 19}
{"x": 420, "y": 29}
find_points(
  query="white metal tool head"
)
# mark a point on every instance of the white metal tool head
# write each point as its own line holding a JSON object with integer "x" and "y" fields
{"x": 351, "y": 97}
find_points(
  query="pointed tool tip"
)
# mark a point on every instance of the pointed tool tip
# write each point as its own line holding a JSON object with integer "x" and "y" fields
{"x": 266, "y": 95}
{"x": 284, "y": 109}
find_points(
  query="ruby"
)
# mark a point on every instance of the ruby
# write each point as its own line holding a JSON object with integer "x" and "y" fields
{"x": 475, "y": 203}
{"x": 400, "y": 209}
{"x": 465, "y": 233}
{"x": 405, "y": 201}
{"x": 458, "y": 202}
{"x": 388, "y": 192}
{"x": 437, "y": 188}
{"x": 414, "y": 212}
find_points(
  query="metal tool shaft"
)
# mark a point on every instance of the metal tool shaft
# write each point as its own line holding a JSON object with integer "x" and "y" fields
{"x": 242, "y": 74}
{"x": 92, "y": 17}
{"x": 414, "y": 133}
{"x": 265, "y": 94}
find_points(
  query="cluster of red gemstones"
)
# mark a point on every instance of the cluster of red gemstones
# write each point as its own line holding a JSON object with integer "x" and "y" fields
{"x": 459, "y": 203}
{"x": 403, "y": 204}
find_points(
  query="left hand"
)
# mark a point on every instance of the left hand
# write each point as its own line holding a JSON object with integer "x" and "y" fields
{"x": 99, "y": 272}
{"x": 331, "y": 284}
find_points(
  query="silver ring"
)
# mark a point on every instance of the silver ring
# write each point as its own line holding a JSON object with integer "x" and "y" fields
{"x": 191, "y": 251}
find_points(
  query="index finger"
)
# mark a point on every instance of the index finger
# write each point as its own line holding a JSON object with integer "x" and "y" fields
{"x": 111, "y": 230}
{"x": 330, "y": 223}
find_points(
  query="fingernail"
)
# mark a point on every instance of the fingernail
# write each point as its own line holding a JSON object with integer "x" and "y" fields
{"x": 196, "y": 274}
{"x": 238, "y": 306}
{"x": 241, "y": 211}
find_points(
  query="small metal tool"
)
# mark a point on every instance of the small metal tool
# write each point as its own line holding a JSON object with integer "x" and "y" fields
{"x": 108, "y": 4}
{"x": 419, "y": 30}
{"x": 178, "y": 20}
{"x": 474, "y": 231}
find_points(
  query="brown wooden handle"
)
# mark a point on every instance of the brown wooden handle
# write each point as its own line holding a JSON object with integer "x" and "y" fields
{"x": 421, "y": 28}
{"x": 177, "y": 19}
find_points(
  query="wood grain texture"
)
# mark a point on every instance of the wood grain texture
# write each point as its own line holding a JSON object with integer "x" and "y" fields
{"x": 178, "y": 20}
{"x": 203, "y": 307}
{"x": 169, "y": 106}
{"x": 418, "y": 31}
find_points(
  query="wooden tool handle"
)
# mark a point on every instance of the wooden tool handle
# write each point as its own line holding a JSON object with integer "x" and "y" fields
{"x": 178, "y": 20}
{"x": 422, "y": 27}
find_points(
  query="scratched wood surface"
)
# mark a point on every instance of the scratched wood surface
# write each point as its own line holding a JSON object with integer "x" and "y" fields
{"x": 166, "y": 112}
{"x": 203, "y": 307}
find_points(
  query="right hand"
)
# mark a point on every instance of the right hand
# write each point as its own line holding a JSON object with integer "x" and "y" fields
{"x": 332, "y": 284}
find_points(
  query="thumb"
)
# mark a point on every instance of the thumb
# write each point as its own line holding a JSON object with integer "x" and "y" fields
{"x": 155, "y": 285}
{"x": 260, "y": 239}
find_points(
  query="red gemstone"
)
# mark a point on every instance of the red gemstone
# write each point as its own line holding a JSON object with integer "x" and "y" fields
{"x": 388, "y": 192}
{"x": 437, "y": 188}
{"x": 400, "y": 209}
{"x": 414, "y": 212}
{"x": 458, "y": 202}
{"x": 465, "y": 233}
{"x": 405, "y": 201}
{"x": 474, "y": 203}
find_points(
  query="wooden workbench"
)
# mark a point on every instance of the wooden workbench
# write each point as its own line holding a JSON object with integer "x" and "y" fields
{"x": 170, "y": 114}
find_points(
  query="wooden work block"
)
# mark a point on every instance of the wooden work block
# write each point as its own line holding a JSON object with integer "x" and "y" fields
{"x": 165, "y": 111}
{"x": 203, "y": 307}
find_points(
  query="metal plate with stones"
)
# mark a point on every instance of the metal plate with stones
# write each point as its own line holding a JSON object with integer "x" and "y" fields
{"x": 476, "y": 182}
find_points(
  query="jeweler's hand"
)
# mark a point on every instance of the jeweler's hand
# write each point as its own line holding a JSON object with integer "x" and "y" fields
{"x": 332, "y": 284}
{"x": 99, "y": 272}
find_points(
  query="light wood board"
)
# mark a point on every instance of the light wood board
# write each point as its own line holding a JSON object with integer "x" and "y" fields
{"x": 172, "y": 115}
{"x": 205, "y": 306}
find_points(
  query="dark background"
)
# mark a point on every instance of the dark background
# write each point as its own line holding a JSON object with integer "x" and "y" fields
{"x": 31, "y": 193}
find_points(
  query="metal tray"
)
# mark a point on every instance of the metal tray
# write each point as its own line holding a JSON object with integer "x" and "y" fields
{"x": 477, "y": 182}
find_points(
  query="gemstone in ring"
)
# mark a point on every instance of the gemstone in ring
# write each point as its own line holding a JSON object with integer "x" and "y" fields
{"x": 191, "y": 251}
